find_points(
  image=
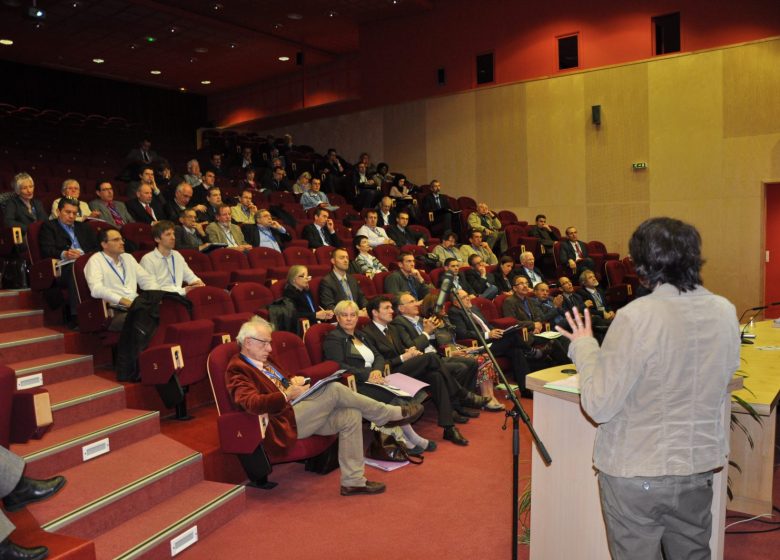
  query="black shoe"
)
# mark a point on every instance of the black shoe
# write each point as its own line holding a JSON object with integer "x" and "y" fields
{"x": 11, "y": 551}
{"x": 458, "y": 418}
{"x": 410, "y": 413}
{"x": 527, "y": 394}
{"x": 369, "y": 488}
{"x": 468, "y": 413}
{"x": 452, "y": 434}
{"x": 473, "y": 400}
{"x": 30, "y": 490}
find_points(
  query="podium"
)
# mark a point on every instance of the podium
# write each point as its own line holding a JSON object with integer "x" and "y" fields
{"x": 566, "y": 519}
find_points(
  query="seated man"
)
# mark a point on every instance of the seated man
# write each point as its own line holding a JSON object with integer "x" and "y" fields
{"x": 367, "y": 192}
{"x": 193, "y": 175}
{"x": 145, "y": 207}
{"x": 166, "y": 265}
{"x": 146, "y": 177}
{"x": 407, "y": 278}
{"x": 213, "y": 202}
{"x": 485, "y": 221}
{"x": 182, "y": 200}
{"x": 17, "y": 492}
{"x": 551, "y": 308}
{"x": 544, "y": 233}
{"x": 410, "y": 361}
{"x": 72, "y": 190}
{"x": 411, "y": 330}
{"x": 65, "y": 239}
{"x": 190, "y": 234}
{"x": 315, "y": 198}
{"x": 453, "y": 266}
{"x": 574, "y": 253}
{"x": 401, "y": 234}
{"x": 259, "y": 387}
{"x": 376, "y": 235}
{"x": 200, "y": 192}
{"x": 386, "y": 215}
{"x": 267, "y": 233}
{"x": 437, "y": 208}
{"x": 528, "y": 269}
{"x": 475, "y": 279}
{"x": 112, "y": 211}
{"x": 476, "y": 246}
{"x": 322, "y": 232}
{"x": 244, "y": 212}
{"x": 448, "y": 249}
{"x": 339, "y": 285}
{"x": 595, "y": 298}
{"x": 223, "y": 231}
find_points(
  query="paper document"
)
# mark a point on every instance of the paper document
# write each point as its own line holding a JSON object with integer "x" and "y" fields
{"x": 319, "y": 385}
{"x": 550, "y": 335}
{"x": 405, "y": 383}
{"x": 570, "y": 384}
{"x": 385, "y": 465}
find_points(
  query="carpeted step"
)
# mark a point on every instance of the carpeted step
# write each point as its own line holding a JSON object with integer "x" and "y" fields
{"x": 113, "y": 488}
{"x": 54, "y": 368}
{"x": 63, "y": 448}
{"x": 17, "y": 299}
{"x": 84, "y": 397}
{"x": 29, "y": 343}
{"x": 195, "y": 511}
{"x": 16, "y": 319}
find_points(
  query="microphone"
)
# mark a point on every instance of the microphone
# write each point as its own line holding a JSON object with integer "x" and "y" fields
{"x": 444, "y": 292}
{"x": 759, "y": 308}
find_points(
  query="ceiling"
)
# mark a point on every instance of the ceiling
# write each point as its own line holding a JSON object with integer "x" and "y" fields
{"x": 230, "y": 43}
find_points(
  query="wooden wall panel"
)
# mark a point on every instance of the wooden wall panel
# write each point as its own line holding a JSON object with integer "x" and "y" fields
{"x": 405, "y": 140}
{"x": 450, "y": 129}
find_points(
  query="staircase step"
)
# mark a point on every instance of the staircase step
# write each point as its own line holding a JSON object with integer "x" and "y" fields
{"x": 17, "y": 299}
{"x": 61, "y": 448}
{"x": 55, "y": 368}
{"x": 16, "y": 319}
{"x": 108, "y": 490}
{"x": 84, "y": 397}
{"x": 206, "y": 506}
{"x": 30, "y": 343}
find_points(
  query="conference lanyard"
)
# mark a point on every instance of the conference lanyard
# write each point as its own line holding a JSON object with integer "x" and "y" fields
{"x": 121, "y": 277}
{"x": 269, "y": 372}
{"x": 173, "y": 265}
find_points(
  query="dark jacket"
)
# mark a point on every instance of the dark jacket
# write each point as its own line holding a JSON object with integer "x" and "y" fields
{"x": 338, "y": 346}
{"x": 252, "y": 235}
{"x": 311, "y": 235}
{"x": 139, "y": 214}
{"x": 298, "y": 297}
{"x": 15, "y": 213}
{"x": 331, "y": 291}
{"x": 53, "y": 239}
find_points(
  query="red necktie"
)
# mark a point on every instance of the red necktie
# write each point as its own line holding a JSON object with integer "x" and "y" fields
{"x": 149, "y": 211}
{"x": 577, "y": 248}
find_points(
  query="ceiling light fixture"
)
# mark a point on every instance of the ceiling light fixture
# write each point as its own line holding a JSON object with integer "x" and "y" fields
{"x": 216, "y": 6}
{"x": 332, "y": 14}
{"x": 6, "y": 42}
{"x": 284, "y": 58}
{"x": 201, "y": 50}
{"x": 182, "y": 89}
{"x": 278, "y": 26}
{"x": 206, "y": 82}
{"x": 173, "y": 29}
{"x": 98, "y": 60}
{"x": 294, "y": 16}
{"x": 233, "y": 45}
{"x": 155, "y": 72}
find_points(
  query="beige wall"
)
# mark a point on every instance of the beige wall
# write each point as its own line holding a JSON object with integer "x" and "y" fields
{"x": 707, "y": 124}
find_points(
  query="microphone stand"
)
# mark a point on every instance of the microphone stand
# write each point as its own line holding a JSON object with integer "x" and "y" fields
{"x": 756, "y": 311}
{"x": 516, "y": 414}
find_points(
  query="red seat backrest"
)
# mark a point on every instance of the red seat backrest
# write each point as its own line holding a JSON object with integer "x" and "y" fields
{"x": 209, "y": 301}
{"x": 263, "y": 257}
{"x": 217, "y": 366}
{"x": 289, "y": 352}
{"x": 498, "y": 304}
{"x": 227, "y": 259}
{"x": 313, "y": 340}
{"x": 299, "y": 255}
{"x": 250, "y": 296}
{"x": 196, "y": 260}
{"x": 323, "y": 254}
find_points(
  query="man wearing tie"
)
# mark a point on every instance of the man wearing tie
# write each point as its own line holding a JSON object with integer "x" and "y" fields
{"x": 339, "y": 285}
{"x": 145, "y": 208}
{"x": 111, "y": 211}
{"x": 595, "y": 297}
{"x": 575, "y": 253}
{"x": 407, "y": 278}
{"x": 528, "y": 269}
{"x": 437, "y": 205}
{"x": 322, "y": 232}
{"x": 223, "y": 231}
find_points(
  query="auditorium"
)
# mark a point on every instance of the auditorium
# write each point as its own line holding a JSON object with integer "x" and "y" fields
{"x": 271, "y": 268}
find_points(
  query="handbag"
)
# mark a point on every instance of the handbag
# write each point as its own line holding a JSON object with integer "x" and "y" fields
{"x": 384, "y": 447}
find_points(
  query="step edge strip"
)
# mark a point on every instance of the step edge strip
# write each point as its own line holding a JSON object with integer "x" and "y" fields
{"x": 159, "y": 537}
{"x": 20, "y": 313}
{"x": 119, "y": 493}
{"x": 86, "y": 398}
{"x": 46, "y": 452}
{"x": 52, "y": 365}
{"x": 43, "y": 338}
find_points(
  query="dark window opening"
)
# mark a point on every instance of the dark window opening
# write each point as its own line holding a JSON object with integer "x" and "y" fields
{"x": 484, "y": 68}
{"x": 568, "y": 52}
{"x": 667, "y": 33}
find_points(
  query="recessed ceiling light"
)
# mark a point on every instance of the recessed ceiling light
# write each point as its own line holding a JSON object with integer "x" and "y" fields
{"x": 201, "y": 50}
{"x": 233, "y": 45}
{"x": 6, "y": 42}
{"x": 173, "y": 29}
{"x": 194, "y": 59}
{"x": 98, "y": 60}
{"x": 284, "y": 58}
{"x": 216, "y": 6}
{"x": 278, "y": 26}
{"x": 133, "y": 46}
{"x": 206, "y": 82}
{"x": 75, "y": 4}
{"x": 294, "y": 16}
{"x": 332, "y": 13}
{"x": 182, "y": 89}
{"x": 155, "y": 72}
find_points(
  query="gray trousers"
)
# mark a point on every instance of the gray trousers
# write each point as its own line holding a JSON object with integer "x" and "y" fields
{"x": 11, "y": 468}
{"x": 336, "y": 409}
{"x": 647, "y": 515}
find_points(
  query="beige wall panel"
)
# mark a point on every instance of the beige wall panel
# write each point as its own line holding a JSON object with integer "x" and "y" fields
{"x": 501, "y": 147}
{"x": 622, "y": 137}
{"x": 451, "y": 137}
{"x": 751, "y": 86}
{"x": 405, "y": 140}
{"x": 686, "y": 126}
{"x": 613, "y": 223}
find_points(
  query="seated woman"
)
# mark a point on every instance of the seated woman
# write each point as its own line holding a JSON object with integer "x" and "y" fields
{"x": 382, "y": 174}
{"x": 248, "y": 182}
{"x": 365, "y": 262}
{"x": 401, "y": 192}
{"x": 302, "y": 184}
{"x": 355, "y": 353}
{"x": 22, "y": 209}
{"x": 297, "y": 290}
{"x": 503, "y": 276}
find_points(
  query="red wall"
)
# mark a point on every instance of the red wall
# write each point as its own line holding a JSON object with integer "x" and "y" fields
{"x": 398, "y": 58}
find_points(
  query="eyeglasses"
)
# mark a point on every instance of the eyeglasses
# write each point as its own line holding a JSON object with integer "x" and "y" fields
{"x": 304, "y": 276}
{"x": 261, "y": 341}
{"x": 115, "y": 239}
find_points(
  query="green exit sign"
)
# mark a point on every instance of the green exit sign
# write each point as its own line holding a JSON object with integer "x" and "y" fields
{"x": 639, "y": 165}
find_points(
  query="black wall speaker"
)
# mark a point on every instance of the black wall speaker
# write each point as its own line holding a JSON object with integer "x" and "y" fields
{"x": 595, "y": 114}
{"x": 441, "y": 77}
{"x": 299, "y": 58}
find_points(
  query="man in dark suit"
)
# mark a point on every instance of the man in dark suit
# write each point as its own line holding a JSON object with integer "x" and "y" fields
{"x": 437, "y": 206}
{"x": 529, "y": 270}
{"x": 410, "y": 361}
{"x": 339, "y": 285}
{"x": 411, "y": 330}
{"x": 475, "y": 279}
{"x": 574, "y": 253}
{"x": 266, "y": 233}
{"x": 66, "y": 239}
{"x": 511, "y": 346}
{"x": 278, "y": 181}
{"x": 182, "y": 199}
{"x": 407, "y": 278}
{"x": 145, "y": 207}
{"x": 401, "y": 234}
{"x": 594, "y": 297}
{"x": 386, "y": 215}
{"x": 543, "y": 232}
{"x": 22, "y": 210}
{"x": 138, "y": 157}
{"x": 112, "y": 211}
{"x": 322, "y": 231}
{"x": 190, "y": 234}
{"x": 213, "y": 202}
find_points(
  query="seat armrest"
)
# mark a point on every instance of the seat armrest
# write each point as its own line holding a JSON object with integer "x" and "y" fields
{"x": 93, "y": 315}
{"x": 241, "y": 432}
{"x": 42, "y": 274}
{"x": 31, "y": 416}
{"x": 158, "y": 363}
{"x": 218, "y": 338}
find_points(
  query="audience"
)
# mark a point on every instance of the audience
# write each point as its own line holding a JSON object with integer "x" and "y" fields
{"x": 386, "y": 216}
{"x": 401, "y": 234}
{"x": 487, "y": 223}
{"x": 213, "y": 202}
{"x": 315, "y": 198}
{"x": 375, "y": 234}
{"x": 72, "y": 190}
{"x": 365, "y": 262}
{"x": 193, "y": 175}
{"x": 437, "y": 206}
{"x": 145, "y": 207}
{"x": 475, "y": 279}
{"x": 22, "y": 209}
{"x": 249, "y": 181}
{"x": 244, "y": 212}
{"x": 503, "y": 276}
{"x": 109, "y": 210}
{"x": 407, "y": 278}
{"x": 448, "y": 249}
{"x": 544, "y": 233}
{"x": 166, "y": 265}
{"x": 476, "y": 246}
{"x": 338, "y": 285}
{"x": 575, "y": 253}
{"x": 322, "y": 232}
{"x": 182, "y": 200}
{"x": 190, "y": 234}
{"x": 224, "y": 232}
{"x": 267, "y": 233}
{"x": 146, "y": 177}
{"x": 297, "y": 290}
{"x": 303, "y": 183}
{"x": 528, "y": 269}
{"x": 595, "y": 298}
